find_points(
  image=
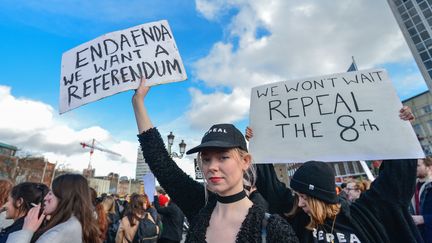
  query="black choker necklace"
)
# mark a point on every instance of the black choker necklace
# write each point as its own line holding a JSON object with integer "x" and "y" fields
{"x": 233, "y": 198}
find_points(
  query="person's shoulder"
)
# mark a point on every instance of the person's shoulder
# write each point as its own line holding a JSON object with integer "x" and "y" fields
{"x": 428, "y": 187}
{"x": 70, "y": 231}
{"x": 72, "y": 225}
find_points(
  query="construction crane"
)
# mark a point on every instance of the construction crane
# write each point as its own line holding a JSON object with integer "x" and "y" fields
{"x": 92, "y": 147}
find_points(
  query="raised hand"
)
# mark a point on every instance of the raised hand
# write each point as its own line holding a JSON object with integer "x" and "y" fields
{"x": 406, "y": 114}
{"x": 249, "y": 133}
{"x": 141, "y": 116}
{"x": 142, "y": 90}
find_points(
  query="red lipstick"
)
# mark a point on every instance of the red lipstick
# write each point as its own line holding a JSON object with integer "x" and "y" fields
{"x": 215, "y": 179}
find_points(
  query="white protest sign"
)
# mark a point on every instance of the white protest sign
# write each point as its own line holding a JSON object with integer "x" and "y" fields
{"x": 149, "y": 185}
{"x": 115, "y": 62}
{"x": 340, "y": 117}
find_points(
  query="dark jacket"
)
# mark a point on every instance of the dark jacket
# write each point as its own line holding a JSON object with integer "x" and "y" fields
{"x": 113, "y": 225}
{"x": 172, "y": 220}
{"x": 380, "y": 214}
{"x": 189, "y": 195}
{"x": 258, "y": 199}
{"x": 17, "y": 225}
{"x": 425, "y": 210}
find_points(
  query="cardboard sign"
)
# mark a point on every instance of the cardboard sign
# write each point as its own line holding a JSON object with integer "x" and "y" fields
{"x": 115, "y": 62}
{"x": 340, "y": 117}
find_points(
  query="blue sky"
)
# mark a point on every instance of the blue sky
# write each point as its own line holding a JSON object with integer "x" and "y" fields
{"x": 227, "y": 48}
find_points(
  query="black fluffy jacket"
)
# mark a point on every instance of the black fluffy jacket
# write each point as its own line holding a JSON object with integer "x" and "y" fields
{"x": 380, "y": 215}
{"x": 189, "y": 195}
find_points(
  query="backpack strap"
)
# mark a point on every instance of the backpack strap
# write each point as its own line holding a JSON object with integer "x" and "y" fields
{"x": 264, "y": 227}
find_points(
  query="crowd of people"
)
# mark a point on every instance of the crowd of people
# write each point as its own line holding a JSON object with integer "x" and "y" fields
{"x": 239, "y": 201}
{"x": 71, "y": 211}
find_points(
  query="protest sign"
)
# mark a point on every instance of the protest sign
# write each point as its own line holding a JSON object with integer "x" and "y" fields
{"x": 115, "y": 62}
{"x": 149, "y": 185}
{"x": 340, "y": 117}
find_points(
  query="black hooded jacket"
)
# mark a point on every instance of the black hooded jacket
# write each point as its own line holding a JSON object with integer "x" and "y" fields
{"x": 189, "y": 195}
{"x": 380, "y": 215}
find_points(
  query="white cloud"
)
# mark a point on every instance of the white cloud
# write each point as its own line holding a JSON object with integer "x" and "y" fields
{"x": 208, "y": 109}
{"x": 33, "y": 127}
{"x": 302, "y": 38}
{"x": 211, "y": 9}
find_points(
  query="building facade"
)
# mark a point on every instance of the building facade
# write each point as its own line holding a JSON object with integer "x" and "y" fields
{"x": 142, "y": 167}
{"x": 129, "y": 186}
{"x": 421, "y": 106}
{"x": 414, "y": 18}
{"x": 8, "y": 161}
{"x": 100, "y": 185}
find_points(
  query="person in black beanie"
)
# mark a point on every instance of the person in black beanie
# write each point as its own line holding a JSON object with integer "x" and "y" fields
{"x": 317, "y": 214}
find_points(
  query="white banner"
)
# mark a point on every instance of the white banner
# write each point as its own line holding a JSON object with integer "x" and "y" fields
{"x": 340, "y": 117}
{"x": 114, "y": 62}
{"x": 149, "y": 185}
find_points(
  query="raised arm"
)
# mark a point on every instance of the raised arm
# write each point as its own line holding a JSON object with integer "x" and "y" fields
{"x": 395, "y": 183}
{"x": 142, "y": 118}
{"x": 177, "y": 183}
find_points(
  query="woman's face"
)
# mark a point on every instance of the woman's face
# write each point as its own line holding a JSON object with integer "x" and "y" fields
{"x": 50, "y": 203}
{"x": 11, "y": 211}
{"x": 223, "y": 170}
{"x": 303, "y": 202}
{"x": 353, "y": 191}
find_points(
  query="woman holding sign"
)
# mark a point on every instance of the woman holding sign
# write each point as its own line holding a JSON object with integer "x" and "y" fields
{"x": 219, "y": 211}
{"x": 317, "y": 214}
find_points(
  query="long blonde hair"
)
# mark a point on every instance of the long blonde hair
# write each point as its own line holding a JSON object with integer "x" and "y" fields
{"x": 319, "y": 211}
{"x": 249, "y": 175}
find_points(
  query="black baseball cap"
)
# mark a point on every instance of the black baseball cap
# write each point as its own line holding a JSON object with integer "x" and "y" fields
{"x": 221, "y": 136}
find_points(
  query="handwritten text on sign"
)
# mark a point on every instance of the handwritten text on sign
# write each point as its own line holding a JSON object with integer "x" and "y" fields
{"x": 114, "y": 62}
{"x": 340, "y": 117}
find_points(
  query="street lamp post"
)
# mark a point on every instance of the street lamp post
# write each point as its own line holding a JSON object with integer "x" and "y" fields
{"x": 182, "y": 147}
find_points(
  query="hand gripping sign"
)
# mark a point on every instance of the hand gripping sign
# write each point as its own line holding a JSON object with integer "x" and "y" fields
{"x": 116, "y": 61}
{"x": 340, "y": 117}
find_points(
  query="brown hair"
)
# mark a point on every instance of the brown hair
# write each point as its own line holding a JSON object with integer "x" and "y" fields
{"x": 147, "y": 201}
{"x": 5, "y": 188}
{"x": 319, "y": 211}
{"x": 361, "y": 185}
{"x": 427, "y": 161}
{"x": 135, "y": 208}
{"x": 74, "y": 199}
{"x": 29, "y": 193}
{"x": 108, "y": 204}
{"x": 102, "y": 220}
